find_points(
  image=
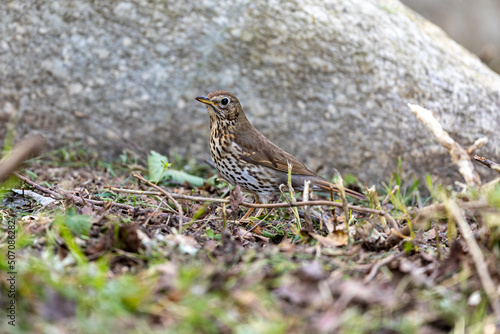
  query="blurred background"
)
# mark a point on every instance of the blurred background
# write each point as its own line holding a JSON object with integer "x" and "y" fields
{"x": 473, "y": 23}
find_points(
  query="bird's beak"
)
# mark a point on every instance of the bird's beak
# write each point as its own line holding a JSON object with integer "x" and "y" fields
{"x": 206, "y": 100}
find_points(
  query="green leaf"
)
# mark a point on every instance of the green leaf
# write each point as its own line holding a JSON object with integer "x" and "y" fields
{"x": 210, "y": 233}
{"x": 32, "y": 175}
{"x": 408, "y": 246}
{"x": 106, "y": 194}
{"x": 73, "y": 223}
{"x": 428, "y": 180}
{"x": 494, "y": 197}
{"x": 77, "y": 224}
{"x": 414, "y": 186}
{"x": 268, "y": 234}
{"x": 157, "y": 164}
{"x": 399, "y": 174}
{"x": 126, "y": 293}
{"x": 181, "y": 176}
{"x": 350, "y": 179}
{"x": 213, "y": 180}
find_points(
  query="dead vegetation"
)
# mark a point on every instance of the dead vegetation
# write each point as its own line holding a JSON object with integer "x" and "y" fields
{"x": 101, "y": 249}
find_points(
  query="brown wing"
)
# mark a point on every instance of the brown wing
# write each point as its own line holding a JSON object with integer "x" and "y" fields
{"x": 259, "y": 150}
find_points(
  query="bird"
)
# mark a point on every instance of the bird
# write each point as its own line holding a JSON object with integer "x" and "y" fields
{"x": 244, "y": 156}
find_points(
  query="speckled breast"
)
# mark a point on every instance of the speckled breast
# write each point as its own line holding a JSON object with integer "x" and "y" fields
{"x": 250, "y": 177}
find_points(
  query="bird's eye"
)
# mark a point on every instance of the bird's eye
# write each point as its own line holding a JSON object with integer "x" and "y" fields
{"x": 224, "y": 101}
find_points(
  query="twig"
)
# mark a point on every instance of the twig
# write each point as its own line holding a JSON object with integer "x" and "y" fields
{"x": 74, "y": 198}
{"x": 477, "y": 145}
{"x": 260, "y": 205}
{"x": 491, "y": 185}
{"x": 260, "y": 221}
{"x": 305, "y": 198}
{"x": 487, "y": 162}
{"x": 39, "y": 187}
{"x": 372, "y": 194}
{"x": 155, "y": 211}
{"x": 388, "y": 196}
{"x": 435, "y": 211}
{"x": 26, "y": 148}
{"x": 340, "y": 186}
{"x": 477, "y": 255}
{"x": 169, "y": 196}
{"x": 224, "y": 218}
{"x": 82, "y": 201}
{"x": 334, "y": 214}
{"x": 174, "y": 195}
{"x": 292, "y": 196}
{"x": 459, "y": 155}
{"x": 380, "y": 264}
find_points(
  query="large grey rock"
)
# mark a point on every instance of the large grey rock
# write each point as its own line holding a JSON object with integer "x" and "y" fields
{"x": 326, "y": 80}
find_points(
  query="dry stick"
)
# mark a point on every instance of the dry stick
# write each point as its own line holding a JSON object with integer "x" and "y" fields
{"x": 340, "y": 186}
{"x": 388, "y": 196}
{"x": 372, "y": 194}
{"x": 477, "y": 255}
{"x": 438, "y": 242}
{"x": 82, "y": 201}
{"x": 477, "y": 145}
{"x": 437, "y": 210}
{"x": 379, "y": 265}
{"x": 260, "y": 221}
{"x": 151, "y": 215}
{"x": 305, "y": 197}
{"x": 334, "y": 214}
{"x": 292, "y": 195}
{"x": 224, "y": 218}
{"x": 39, "y": 187}
{"x": 169, "y": 196}
{"x": 491, "y": 185}
{"x": 459, "y": 156}
{"x": 487, "y": 162}
{"x": 254, "y": 205}
{"x": 335, "y": 220}
{"x": 74, "y": 198}
{"x": 25, "y": 149}
{"x": 174, "y": 195}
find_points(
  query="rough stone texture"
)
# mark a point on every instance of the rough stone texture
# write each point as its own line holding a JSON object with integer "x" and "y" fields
{"x": 326, "y": 80}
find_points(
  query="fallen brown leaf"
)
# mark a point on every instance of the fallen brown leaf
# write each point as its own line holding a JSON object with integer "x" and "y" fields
{"x": 235, "y": 198}
{"x": 337, "y": 238}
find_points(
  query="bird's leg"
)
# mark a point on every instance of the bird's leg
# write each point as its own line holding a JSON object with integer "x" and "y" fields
{"x": 249, "y": 212}
{"x": 259, "y": 212}
{"x": 262, "y": 200}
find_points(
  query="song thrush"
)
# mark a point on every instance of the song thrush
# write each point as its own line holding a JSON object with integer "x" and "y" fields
{"x": 245, "y": 157}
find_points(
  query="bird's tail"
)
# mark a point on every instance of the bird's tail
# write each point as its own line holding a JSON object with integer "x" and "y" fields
{"x": 326, "y": 186}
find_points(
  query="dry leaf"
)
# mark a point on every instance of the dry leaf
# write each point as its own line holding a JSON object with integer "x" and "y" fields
{"x": 235, "y": 198}
{"x": 335, "y": 239}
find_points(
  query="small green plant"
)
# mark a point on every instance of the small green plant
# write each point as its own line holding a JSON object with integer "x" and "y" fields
{"x": 212, "y": 235}
{"x": 159, "y": 170}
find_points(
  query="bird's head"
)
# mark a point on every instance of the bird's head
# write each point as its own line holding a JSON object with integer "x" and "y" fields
{"x": 222, "y": 106}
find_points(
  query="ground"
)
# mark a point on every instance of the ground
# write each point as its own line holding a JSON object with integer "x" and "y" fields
{"x": 100, "y": 260}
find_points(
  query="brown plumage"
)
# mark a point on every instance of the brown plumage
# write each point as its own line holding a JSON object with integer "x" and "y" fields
{"x": 245, "y": 157}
